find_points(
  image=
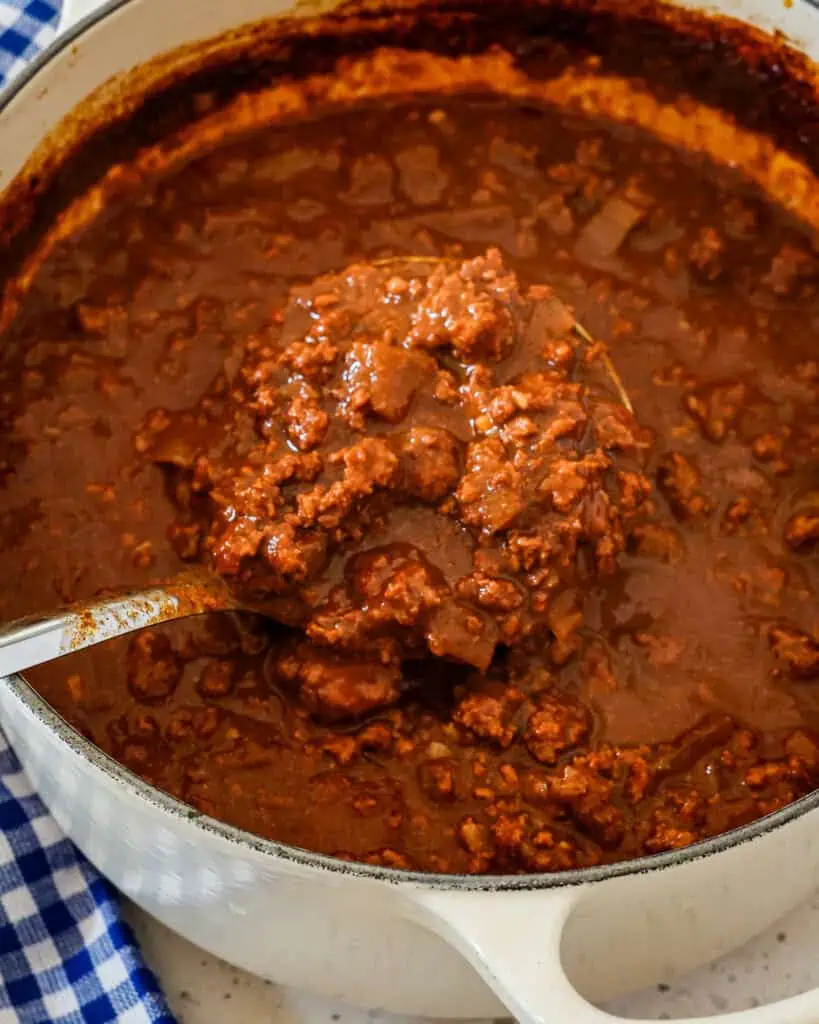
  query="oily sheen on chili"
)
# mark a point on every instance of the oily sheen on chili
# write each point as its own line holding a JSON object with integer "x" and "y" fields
{"x": 518, "y": 629}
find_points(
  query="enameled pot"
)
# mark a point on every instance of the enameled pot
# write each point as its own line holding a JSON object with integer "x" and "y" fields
{"x": 545, "y": 948}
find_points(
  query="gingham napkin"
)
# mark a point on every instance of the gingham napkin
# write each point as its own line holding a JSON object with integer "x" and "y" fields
{"x": 66, "y": 955}
{"x": 26, "y": 26}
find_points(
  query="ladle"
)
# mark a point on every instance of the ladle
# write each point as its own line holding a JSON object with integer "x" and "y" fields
{"x": 34, "y": 640}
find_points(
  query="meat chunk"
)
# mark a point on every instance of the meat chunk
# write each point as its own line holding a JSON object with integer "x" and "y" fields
{"x": 486, "y": 716}
{"x": 308, "y": 423}
{"x": 796, "y": 649}
{"x": 387, "y": 589}
{"x": 679, "y": 480}
{"x": 788, "y": 268}
{"x": 467, "y": 310}
{"x": 802, "y": 530}
{"x": 716, "y": 407}
{"x": 437, "y": 779}
{"x": 657, "y": 540}
{"x": 554, "y": 727}
{"x": 676, "y": 821}
{"x": 154, "y": 668}
{"x": 217, "y": 679}
{"x": 706, "y": 257}
{"x": 491, "y": 491}
{"x": 476, "y": 839}
{"x": 382, "y": 378}
{"x": 587, "y": 793}
{"x": 334, "y": 687}
{"x": 431, "y": 463}
{"x": 293, "y": 553}
{"x": 460, "y": 632}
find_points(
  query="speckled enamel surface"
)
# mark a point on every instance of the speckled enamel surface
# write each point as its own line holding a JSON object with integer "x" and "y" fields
{"x": 202, "y": 990}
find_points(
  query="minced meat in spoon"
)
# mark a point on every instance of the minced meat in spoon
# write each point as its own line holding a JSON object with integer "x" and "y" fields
{"x": 413, "y": 455}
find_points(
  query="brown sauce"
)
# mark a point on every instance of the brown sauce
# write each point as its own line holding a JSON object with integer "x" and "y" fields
{"x": 685, "y": 698}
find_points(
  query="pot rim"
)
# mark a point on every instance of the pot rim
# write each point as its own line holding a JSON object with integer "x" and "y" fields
{"x": 162, "y": 801}
{"x": 157, "y": 798}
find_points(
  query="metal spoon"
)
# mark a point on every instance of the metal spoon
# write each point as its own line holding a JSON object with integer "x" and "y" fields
{"x": 34, "y": 640}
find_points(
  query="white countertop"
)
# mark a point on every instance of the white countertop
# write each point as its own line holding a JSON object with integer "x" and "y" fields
{"x": 203, "y": 990}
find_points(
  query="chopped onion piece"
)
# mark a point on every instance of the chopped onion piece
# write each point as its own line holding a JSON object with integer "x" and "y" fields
{"x": 603, "y": 235}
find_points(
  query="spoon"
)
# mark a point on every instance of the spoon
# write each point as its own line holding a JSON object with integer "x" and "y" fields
{"x": 36, "y": 639}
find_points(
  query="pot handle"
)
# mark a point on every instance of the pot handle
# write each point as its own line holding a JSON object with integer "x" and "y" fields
{"x": 514, "y": 941}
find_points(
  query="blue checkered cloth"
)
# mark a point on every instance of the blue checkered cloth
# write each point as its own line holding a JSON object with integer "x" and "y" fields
{"x": 26, "y": 26}
{"x": 66, "y": 955}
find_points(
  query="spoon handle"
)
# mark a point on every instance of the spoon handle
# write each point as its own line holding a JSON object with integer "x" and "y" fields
{"x": 35, "y": 639}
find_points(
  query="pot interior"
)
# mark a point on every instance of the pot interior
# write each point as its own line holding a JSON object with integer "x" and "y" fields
{"x": 715, "y": 121}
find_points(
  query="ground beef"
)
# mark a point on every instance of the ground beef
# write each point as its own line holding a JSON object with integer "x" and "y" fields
{"x": 335, "y": 686}
{"x": 554, "y": 727}
{"x": 672, "y": 699}
{"x": 796, "y": 649}
{"x": 154, "y": 668}
{"x": 678, "y": 478}
{"x": 802, "y": 530}
{"x": 413, "y": 455}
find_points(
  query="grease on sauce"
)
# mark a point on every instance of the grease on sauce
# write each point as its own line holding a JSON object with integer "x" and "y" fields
{"x": 690, "y": 703}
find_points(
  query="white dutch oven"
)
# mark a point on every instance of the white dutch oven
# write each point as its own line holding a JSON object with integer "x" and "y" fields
{"x": 543, "y": 947}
